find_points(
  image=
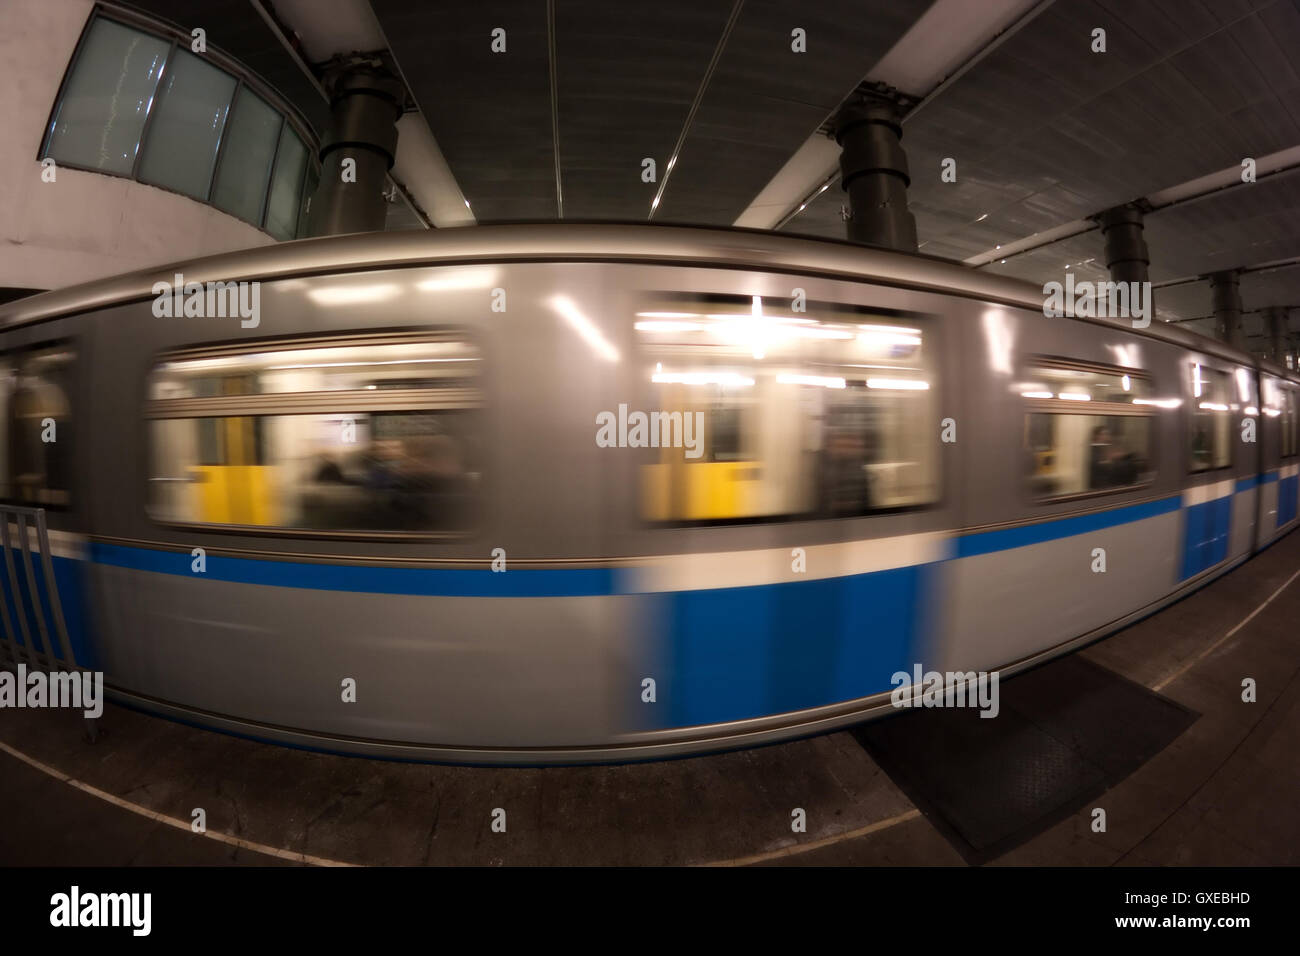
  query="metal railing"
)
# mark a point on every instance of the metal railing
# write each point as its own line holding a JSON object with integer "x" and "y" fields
{"x": 24, "y": 609}
{"x": 19, "y": 602}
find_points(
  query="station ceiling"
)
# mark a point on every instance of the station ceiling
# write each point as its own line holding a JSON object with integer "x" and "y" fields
{"x": 1045, "y": 132}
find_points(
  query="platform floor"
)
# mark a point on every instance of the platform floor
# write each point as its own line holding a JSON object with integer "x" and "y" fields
{"x": 1222, "y": 792}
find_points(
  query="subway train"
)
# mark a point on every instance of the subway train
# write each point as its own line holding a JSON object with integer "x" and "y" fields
{"x": 564, "y": 493}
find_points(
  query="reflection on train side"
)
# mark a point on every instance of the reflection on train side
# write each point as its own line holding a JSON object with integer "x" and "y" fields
{"x": 824, "y": 413}
{"x": 371, "y": 436}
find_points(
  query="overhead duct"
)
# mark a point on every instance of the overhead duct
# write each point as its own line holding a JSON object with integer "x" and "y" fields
{"x": 873, "y": 171}
{"x": 365, "y": 103}
{"x": 1275, "y": 326}
{"x": 1127, "y": 256}
{"x": 1226, "y": 290}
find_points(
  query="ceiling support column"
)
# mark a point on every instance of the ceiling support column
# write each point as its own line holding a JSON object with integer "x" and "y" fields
{"x": 365, "y": 103}
{"x": 873, "y": 171}
{"x": 1227, "y": 308}
{"x": 1275, "y": 327}
{"x": 1127, "y": 256}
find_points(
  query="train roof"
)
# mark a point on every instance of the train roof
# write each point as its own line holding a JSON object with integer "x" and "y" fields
{"x": 575, "y": 241}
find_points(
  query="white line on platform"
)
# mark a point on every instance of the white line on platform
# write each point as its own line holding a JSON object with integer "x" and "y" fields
{"x": 170, "y": 821}
{"x": 818, "y": 844}
{"x": 1209, "y": 650}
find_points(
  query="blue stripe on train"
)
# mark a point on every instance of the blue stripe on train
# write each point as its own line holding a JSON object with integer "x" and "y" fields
{"x": 737, "y": 653}
{"x": 986, "y": 542}
{"x": 1288, "y": 489}
{"x": 721, "y": 654}
{"x": 727, "y": 654}
{"x": 442, "y": 582}
{"x": 1205, "y": 535}
{"x": 546, "y": 582}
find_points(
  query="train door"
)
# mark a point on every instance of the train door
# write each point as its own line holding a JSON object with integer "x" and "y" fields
{"x": 792, "y": 503}
{"x": 1277, "y": 472}
{"x": 42, "y": 502}
{"x": 1071, "y": 510}
{"x": 1222, "y": 460}
{"x": 1288, "y": 508}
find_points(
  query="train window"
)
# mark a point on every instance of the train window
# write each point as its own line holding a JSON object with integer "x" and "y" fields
{"x": 1087, "y": 430}
{"x": 375, "y": 434}
{"x": 1288, "y": 416}
{"x": 36, "y": 446}
{"x": 1211, "y": 420}
{"x": 1277, "y": 403}
{"x": 824, "y": 413}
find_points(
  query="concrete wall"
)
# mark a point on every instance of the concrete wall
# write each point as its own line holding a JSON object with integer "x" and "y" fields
{"x": 85, "y": 225}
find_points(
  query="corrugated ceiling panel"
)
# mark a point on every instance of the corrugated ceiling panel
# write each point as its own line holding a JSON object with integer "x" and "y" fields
{"x": 490, "y": 113}
{"x": 764, "y": 100}
{"x": 627, "y": 75}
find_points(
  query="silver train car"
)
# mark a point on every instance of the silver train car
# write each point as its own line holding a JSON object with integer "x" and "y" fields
{"x": 570, "y": 493}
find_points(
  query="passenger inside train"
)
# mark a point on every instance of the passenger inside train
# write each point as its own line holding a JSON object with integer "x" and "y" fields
{"x": 1087, "y": 430}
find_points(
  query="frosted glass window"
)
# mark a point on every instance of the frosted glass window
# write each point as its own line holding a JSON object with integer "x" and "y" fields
{"x": 181, "y": 149}
{"x": 138, "y": 105}
{"x": 313, "y": 181}
{"x": 286, "y": 187}
{"x": 107, "y": 97}
{"x": 246, "y": 161}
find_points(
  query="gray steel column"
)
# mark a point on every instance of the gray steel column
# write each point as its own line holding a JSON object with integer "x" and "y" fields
{"x": 364, "y": 105}
{"x": 1274, "y": 331}
{"x": 1227, "y": 308}
{"x": 1127, "y": 256}
{"x": 873, "y": 171}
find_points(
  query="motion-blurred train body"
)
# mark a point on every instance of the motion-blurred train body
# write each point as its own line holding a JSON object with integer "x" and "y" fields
{"x": 565, "y": 493}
